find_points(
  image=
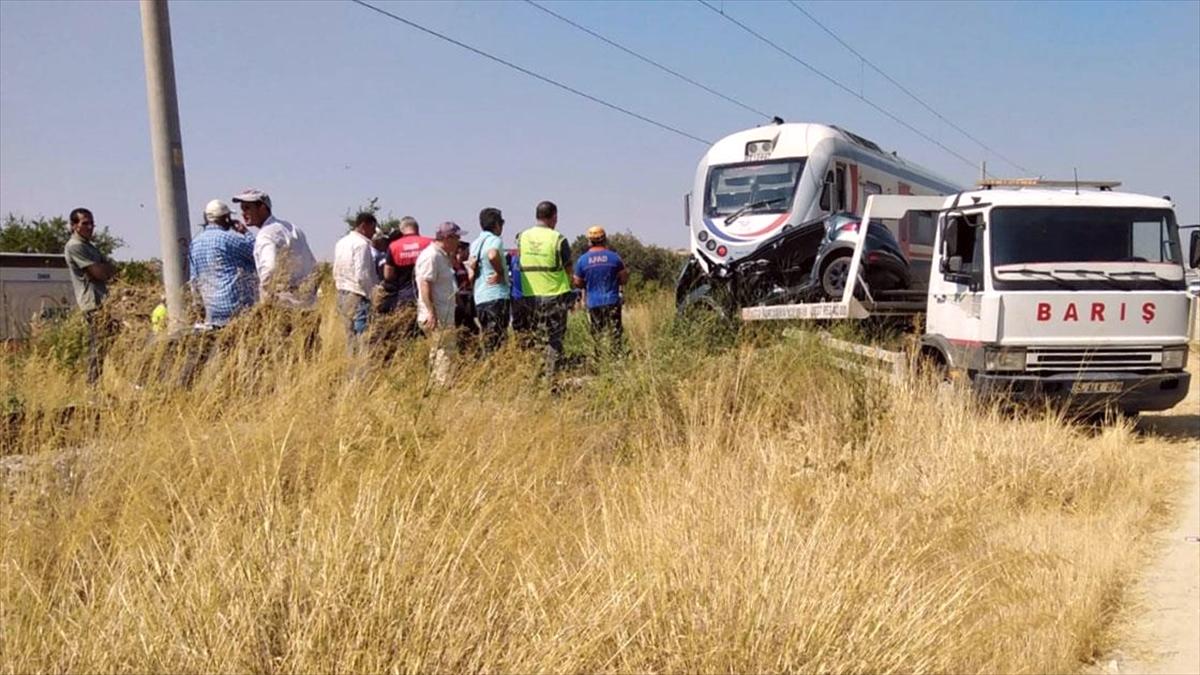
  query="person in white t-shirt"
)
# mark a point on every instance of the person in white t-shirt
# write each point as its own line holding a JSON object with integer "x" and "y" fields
{"x": 436, "y": 291}
{"x": 282, "y": 257}
{"x": 355, "y": 275}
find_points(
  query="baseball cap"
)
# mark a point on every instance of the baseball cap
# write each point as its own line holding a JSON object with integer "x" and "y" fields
{"x": 448, "y": 229}
{"x": 252, "y": 195}
{"x": 596, "y": 233}
{"x": 215, "y": 209}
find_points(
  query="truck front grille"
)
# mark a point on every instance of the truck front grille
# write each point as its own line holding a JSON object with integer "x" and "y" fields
{"x": 1074, "y": 360}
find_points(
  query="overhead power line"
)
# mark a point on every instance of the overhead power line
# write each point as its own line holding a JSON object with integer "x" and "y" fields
{"x": 904, "y": 89}
{"x": 887, "y": 113}
{"x": 530, "y": 73}
{"x": 646, "y": 59}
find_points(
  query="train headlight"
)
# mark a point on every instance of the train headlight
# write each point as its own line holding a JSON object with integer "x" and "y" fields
{"x": 1174, "y": 358}
{"x": 1004, "y": 359}
{"x": 759, "y": 149}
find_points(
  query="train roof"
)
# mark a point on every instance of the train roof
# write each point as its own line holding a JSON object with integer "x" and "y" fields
{"x": 798, "y": 139}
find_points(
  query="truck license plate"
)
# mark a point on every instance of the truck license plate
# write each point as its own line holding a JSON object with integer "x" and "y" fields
{"x": 1096, "y": 388}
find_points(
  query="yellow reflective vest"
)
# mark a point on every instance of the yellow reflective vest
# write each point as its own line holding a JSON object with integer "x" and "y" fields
{"x": 542, "y": 271}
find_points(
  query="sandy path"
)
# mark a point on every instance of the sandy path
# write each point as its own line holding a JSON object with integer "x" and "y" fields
{"x": 1165, "y": 637}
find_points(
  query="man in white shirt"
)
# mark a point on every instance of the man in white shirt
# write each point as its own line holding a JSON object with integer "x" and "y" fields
{"x": 281, "y": 253}
{"x": 354, "y": 274}
{"x": 436, "y": 291}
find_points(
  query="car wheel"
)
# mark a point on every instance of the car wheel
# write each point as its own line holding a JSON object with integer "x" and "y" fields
{"x": 834, "y": 275}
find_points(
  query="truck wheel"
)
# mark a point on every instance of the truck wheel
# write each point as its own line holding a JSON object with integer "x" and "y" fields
{"x": 932, "y": 363}
{"x": 834, "y": 274}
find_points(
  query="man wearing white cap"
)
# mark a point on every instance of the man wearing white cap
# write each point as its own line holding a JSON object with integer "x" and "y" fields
{"x": 217, "y": 213}
{"x": 221, "y": 264}
{"x": 281, "y": 253}
{"x": 437, "y": 288}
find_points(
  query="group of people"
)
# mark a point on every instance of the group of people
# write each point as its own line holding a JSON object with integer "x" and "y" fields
{"x": 449, "y": 288}
{"x": 454, "y": 289}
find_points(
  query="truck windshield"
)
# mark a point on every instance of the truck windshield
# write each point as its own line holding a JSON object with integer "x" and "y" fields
{"x": 1025, "y": 235}
{"x": 736, "y": 186}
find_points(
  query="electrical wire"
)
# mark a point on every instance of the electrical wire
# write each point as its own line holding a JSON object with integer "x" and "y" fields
{"x": 904, "y": 89}
{"x": 530, "y": 73}
{"x": 646, "y": 59}
{"x": 887, "y": 113}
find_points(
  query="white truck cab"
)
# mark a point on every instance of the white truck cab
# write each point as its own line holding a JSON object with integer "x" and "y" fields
{"x": 1042, "y": 291}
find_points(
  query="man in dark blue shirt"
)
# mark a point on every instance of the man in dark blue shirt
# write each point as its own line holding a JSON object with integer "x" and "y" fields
{"x": 601, "y": 273}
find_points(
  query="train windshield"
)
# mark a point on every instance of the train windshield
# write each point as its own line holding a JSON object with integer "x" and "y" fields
{"x": 759, "y": 187}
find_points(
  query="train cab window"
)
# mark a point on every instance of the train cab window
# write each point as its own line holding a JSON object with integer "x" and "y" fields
{"x": 870, "y": 188}
{"x": 833, "y": 194}
{"x": 839, "y": 188}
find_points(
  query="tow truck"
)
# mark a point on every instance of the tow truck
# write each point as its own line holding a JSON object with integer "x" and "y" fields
{"x": 1059, "y": 291}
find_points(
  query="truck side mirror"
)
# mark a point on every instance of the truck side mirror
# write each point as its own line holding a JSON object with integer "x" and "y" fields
{"x": 1194, "y": 250}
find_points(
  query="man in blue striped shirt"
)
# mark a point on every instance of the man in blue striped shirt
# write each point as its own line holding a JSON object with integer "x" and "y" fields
{"x": 221, "y": 261}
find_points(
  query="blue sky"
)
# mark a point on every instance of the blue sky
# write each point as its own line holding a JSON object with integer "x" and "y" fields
{"x": 326, "y": 104}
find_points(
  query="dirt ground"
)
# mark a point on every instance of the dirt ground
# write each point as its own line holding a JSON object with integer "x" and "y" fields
{"x": 1164, "y": 636}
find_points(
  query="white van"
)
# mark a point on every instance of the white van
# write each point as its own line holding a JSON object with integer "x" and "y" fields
{"x": 32, "y": 285}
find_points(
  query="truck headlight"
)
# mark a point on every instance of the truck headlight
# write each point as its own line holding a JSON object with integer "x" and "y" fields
{"x": 1004, "y": 358}
{"x": 1174, "y": 358}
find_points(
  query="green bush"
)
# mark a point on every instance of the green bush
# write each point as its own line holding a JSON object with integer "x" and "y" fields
{"x": 19, "y": 234}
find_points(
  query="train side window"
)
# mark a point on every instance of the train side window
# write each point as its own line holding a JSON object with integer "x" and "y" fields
{"x": 870, "y": 188}
{"x": 922, "y": 228}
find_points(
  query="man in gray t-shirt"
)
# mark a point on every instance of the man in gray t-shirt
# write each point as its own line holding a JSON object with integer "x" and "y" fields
{"x": 90, "y": 271}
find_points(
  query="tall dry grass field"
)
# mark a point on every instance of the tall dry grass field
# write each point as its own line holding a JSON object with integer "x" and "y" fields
{"x": 695, "y": 507}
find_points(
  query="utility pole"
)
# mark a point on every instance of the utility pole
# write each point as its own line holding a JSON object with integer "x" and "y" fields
{"x": 167, "y": 144}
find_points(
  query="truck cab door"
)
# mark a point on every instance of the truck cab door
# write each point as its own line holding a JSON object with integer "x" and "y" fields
{"x": 956, "y": 311}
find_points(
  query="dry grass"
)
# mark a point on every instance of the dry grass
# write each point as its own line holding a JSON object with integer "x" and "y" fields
{"x": 745, "y": 509}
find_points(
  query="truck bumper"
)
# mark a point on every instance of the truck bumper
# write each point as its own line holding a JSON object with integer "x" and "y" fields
{"x": 1138, "y": 392}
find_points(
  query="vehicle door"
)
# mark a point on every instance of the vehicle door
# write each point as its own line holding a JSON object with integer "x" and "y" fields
{"x": 957, "y": 313}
